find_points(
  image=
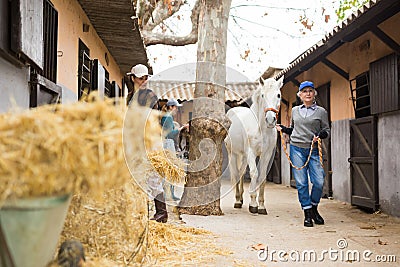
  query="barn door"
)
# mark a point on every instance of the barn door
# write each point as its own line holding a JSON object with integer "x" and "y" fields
{"x": 364, "y": 162}
{"x": 323, "y": 100}
{"x": 274, "y": 175}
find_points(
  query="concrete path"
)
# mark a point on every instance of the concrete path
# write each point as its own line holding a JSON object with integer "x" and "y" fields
{"x": 350, "y": 236}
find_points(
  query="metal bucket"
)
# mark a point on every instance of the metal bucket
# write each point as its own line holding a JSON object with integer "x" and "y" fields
{"x": 31, "y": 229}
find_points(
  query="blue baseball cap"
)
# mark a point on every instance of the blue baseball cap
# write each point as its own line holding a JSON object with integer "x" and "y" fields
{"x": 306, "y": 84}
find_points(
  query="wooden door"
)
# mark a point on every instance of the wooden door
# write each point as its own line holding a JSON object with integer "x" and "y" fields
{"x": 323, "y": 100}
{"x": 274, "y": 174}
{"x": 364, "y": 162}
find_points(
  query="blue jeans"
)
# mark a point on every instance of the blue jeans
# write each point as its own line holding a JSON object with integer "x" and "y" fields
{"x": 313, "y": 170}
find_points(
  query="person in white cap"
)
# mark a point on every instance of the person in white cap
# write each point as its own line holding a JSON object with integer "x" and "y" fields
{"x": 140, "y": 95}
{"x": 144, "y": 96}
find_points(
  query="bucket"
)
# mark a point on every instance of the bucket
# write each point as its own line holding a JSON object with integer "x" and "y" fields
{"x": 31, "y": 229}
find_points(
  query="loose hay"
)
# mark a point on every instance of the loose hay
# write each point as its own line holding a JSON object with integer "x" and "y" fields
{"x": 118, "y": 231}
{"x": 174, "y": 245}
{"x": 114, "y": 229}
{"x": 84, "y": 149}
{"x": 76, "y": 148}
{"x": 168, "y": 166}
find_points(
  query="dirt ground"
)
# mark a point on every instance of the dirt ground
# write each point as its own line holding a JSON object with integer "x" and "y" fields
{"x": 350, "y": 236}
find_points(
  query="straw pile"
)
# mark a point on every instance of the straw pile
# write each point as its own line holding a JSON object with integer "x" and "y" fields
{"x": 174, "y": 245}
{"x": 114, "y": 229}
{"x": 76, "y": 148}
{"x": 117, "y": 231}
{"x": 84, "y": 149}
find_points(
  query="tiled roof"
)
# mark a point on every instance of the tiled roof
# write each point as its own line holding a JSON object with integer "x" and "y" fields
{"x": 185, "y": 90}
{"x": 323, "y": 42}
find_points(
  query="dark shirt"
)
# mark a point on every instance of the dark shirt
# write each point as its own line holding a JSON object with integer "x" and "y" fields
{"x": 147, "y": 98}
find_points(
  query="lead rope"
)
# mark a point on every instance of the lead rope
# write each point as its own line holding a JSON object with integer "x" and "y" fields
{"x": 309, "y": 155}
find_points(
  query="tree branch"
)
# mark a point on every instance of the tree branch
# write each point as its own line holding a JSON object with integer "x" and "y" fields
{"x": 152, "y": 38}
{"x": 162, "y": 12}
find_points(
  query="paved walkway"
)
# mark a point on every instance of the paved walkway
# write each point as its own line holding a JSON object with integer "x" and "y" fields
{"x": 350, "y": 236}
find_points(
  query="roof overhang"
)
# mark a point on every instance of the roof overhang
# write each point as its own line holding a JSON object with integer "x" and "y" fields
{"x": 366, "y": 19}
{"x": 184, "y": 91}
{"x": 119, "y": 32}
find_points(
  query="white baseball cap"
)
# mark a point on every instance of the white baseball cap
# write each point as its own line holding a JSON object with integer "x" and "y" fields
{"x": 139, "y": 71}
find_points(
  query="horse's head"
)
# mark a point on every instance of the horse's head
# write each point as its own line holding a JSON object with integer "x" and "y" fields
{"x": 268, "y": 98}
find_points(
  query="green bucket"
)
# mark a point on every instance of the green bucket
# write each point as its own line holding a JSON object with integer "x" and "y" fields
{"x": 31, "y": 229}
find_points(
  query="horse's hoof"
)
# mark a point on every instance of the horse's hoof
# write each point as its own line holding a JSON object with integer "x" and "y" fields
{"x": 238, "y": 205}
{"x": 253, "y": 209}
{"x": 262, "y": 211}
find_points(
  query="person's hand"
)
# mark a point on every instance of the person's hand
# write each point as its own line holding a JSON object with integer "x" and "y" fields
{"x": 278, "y": 127}
{"x": 184, "y": 126}
{"x": 315, "y": 138}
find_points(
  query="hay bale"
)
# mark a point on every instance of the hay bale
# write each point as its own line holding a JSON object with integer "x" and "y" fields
{"x": 78, "y": 149}
{"x": 84, "y": 149}
{"x": 114, "y": 228}
{"x": 70, "y": 148}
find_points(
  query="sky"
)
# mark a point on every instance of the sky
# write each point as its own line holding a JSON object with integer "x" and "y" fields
{"x": 261, "y": 33}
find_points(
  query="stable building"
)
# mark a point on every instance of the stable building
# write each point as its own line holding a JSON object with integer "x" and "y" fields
{"x": 355, "y": 68}
{"x": 57, "y": 51}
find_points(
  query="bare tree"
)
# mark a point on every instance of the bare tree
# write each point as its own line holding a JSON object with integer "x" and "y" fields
{"x": 153, "y": 13}
{"x": 208, "y": 128}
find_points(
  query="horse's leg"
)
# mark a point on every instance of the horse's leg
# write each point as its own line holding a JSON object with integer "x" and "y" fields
{"x": 261, "y": 207}
{"x": 235, "y": 179}
{"x": 251, "y": 160}
{"x": 242, "y": 169}
{"x": 264, "y": 164}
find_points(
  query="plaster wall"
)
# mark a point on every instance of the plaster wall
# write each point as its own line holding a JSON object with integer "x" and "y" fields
{"x": 185, "y": 109}
{"x": 71, "y": 18}
{"x": 391, "y": 27}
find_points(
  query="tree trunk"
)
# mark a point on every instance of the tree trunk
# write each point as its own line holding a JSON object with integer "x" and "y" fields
{"x": 208, "y": 127}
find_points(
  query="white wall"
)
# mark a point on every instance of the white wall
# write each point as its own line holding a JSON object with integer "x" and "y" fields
{"x": 13, "y": 86}
{"x": 68, "y": 96}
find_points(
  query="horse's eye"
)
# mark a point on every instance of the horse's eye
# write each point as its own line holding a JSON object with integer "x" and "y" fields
{"x": 262, "y": 95}
{"x": 279, "y": 95}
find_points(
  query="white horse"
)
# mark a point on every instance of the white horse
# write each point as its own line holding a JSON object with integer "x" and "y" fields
{"x": 252, "y": 134}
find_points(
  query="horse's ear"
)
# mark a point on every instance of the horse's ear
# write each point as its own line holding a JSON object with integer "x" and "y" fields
{"x": 261, "y": 80}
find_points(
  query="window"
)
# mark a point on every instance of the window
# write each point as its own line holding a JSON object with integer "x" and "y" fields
{"x": 359, "y": 87}
{"x": 84, "y": 70}
{"x": 50, "y": 30}
{"x": 107, "y": 85}
{"x": 44, "y": 89}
